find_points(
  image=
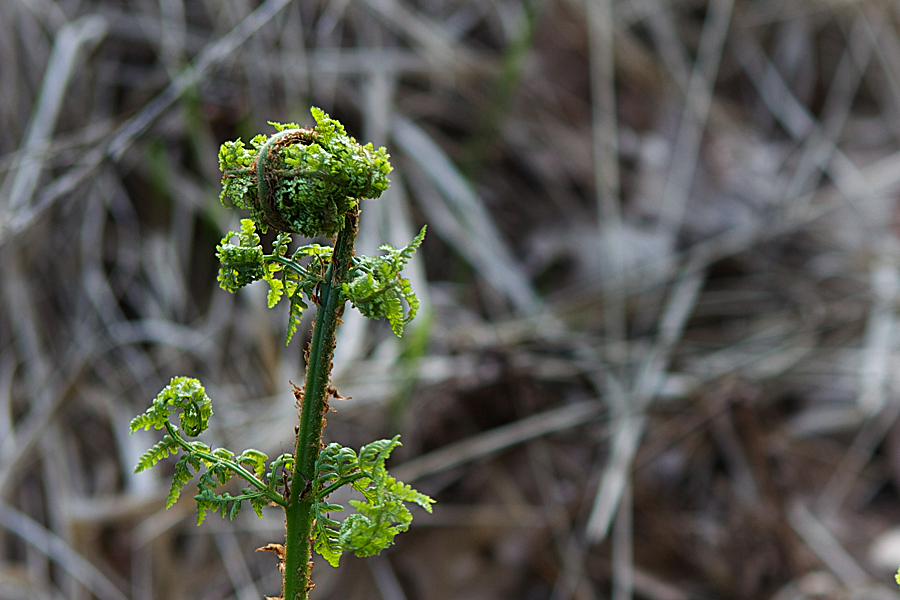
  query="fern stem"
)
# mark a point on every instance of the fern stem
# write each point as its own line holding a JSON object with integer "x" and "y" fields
{"x": 236, "y": 467}
{"x": 324, "y": 492}
{"x": 299, "y": 512}
{"x": 288, "y": 263}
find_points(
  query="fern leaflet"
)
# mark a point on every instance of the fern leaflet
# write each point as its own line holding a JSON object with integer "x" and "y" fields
{"x": 160, "y": 450}
{"x": 380, "y": 517}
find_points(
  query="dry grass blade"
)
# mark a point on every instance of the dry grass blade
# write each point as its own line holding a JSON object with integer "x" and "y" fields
{"x": 623, "y": 548}
{"x": 823, "y": 543}
{"x": 236, "y": 565}
{"x": 71, "y": 40}
{"x": 629, "y": 406}
{"x": 211, "y": 57}
{"x": 606, "y": 168}
{"x": 605, "y": 136}
{"x": 490, "y": 442}
{"x": 386, "y": 580}
{"x": 696, "y": 110}
{"x": 879, "y": 335}
{"x": 125, "y": 134}
{"x": 467, "y": 223}
{"x": 437, "y": 45}
{"x": 54, "y": 547}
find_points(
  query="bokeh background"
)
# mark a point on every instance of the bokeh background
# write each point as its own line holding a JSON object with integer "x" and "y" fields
{"x": 659, "y": 345}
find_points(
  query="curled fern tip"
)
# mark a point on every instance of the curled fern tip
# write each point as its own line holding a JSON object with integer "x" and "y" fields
{"x": 302, "y": 180}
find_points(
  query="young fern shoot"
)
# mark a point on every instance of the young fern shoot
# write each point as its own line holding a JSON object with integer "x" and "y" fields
{"x": 308, "y": 182}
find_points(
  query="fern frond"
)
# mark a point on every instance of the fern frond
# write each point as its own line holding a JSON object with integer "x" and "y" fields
{"x": 184, "y": 394}
{"x": 235, "y": 509}
{"x": 255, "y": 459}
{"x": 207, "y": 499}
{"x": 372, "y": 456}
{"x": 222, "y": 472}
{"x": 316, "y": 176}
{"x": 379, "y": 518}
{"x": 223, "y": 453}
{"x": 257, "y": 503}
{"x": 146, "y": 421}
{"x": 295, "y": 315}
{"x": 335, "y": 462}
{"x": 180, "y": 479}
{"x": 377, "y": 290}
{"x": 242, "y": 263}
{"x": 405, "y": 492}
{"x": 285, "y": 462}
{"x": 276, "y": 290}
{"x": 328, "y": 544}
{"x": 160, "y": 450}
{"x": 315, "y": 250}
{"x": 215, "y": 466}
{"x": 281, "y": 244}
{"x": 367, "y": 537}
{"x": 204, "y": 507}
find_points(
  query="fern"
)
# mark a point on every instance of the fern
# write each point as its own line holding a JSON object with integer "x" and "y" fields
{"x": 144, "y": 421}
{"x": 317, "y": 176}
{"x": 255, "y": 459}
{"x": 296, "y": 280}
{"x": 216, "y": 466}
{"x": 295, "y": 315}
{"x": 183, "y": 394}
{"x": 156, "y": 453}
{"x": 379, "y": 518}
{"x": 307, "y": 182}
{"x": 181, "y": 477}
{"x": 242, "y": 263}
{"x": 376, "y": 288}
{"x": 327, "y": 542}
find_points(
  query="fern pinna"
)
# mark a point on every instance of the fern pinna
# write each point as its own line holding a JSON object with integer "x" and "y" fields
{"x": 308, "y": 182}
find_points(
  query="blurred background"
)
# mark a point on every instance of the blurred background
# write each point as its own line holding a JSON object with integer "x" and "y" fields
{"x": 658, "y": 351}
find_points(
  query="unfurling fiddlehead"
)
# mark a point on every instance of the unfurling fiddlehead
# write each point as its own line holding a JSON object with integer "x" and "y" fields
{"x": 307, "y": 182}
{"x": 302, "y": 180}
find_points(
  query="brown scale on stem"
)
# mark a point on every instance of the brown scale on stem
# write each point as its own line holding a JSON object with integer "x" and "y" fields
{"x": 277, "y": 550}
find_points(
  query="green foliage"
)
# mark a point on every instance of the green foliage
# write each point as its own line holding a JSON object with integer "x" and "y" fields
{"x": 296, "y": 280}
{"x": 160, "y": 450}
{"x": 302, "y": 180}
{"x": 185, "y": 395}
{"x": 379, "y": 517}
{"x": 215, "y": 466}
{"x": 376, "y": 288}
{"x": 306, "y": 181}
{"x": 182, "y": 476}
{"x": 242, "y": 263}
{"x": 236, "y": 162}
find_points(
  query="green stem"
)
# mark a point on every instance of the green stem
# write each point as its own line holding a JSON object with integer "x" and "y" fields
{"x": 236, "y": 467}
{"x": 323, "y": 493}
{"x": 286, "y": 263}
{"x": 299, "y": 512}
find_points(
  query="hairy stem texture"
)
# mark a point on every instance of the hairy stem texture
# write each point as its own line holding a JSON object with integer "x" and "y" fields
{"x": 299, "y": 512}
